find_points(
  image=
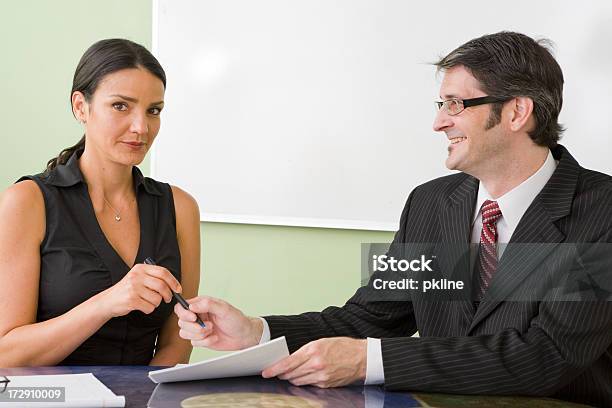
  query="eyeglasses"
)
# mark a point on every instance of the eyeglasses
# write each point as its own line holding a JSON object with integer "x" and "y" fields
{"x": 3, "y": 383}
{"x": 455, "y": 106}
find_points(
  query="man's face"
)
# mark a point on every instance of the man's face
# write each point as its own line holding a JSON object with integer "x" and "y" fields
{"x": 472, "y": 145}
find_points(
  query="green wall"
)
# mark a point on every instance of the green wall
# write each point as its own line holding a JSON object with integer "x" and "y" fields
{"x": 261, "y": 269}
{"x": 41, "y": 42}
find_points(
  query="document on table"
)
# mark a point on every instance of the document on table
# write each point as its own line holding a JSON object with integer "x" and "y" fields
{"x": 80, "y": 390}
{"x": 250, "y": 361}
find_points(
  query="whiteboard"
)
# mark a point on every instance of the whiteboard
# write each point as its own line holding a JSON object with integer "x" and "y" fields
{"x": 319, "y": 113}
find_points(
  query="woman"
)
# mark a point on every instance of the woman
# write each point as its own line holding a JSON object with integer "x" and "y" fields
{"x": 73, "y": 286}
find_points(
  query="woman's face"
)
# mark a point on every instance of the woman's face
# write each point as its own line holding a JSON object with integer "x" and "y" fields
{"x": 122, "y": 118}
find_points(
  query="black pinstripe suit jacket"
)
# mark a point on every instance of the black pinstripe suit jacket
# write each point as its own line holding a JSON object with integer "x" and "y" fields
{"x": 539, "y": 347}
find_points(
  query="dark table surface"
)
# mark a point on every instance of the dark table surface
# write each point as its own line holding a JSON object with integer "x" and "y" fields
{"x": 133, "y": 383}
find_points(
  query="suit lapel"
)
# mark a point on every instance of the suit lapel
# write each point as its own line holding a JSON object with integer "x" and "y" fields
{"x": 535, "y": 236}
{"x": 453, "y": 250}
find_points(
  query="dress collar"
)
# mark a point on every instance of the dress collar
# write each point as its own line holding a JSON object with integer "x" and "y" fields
{"x": 69, "y": 174}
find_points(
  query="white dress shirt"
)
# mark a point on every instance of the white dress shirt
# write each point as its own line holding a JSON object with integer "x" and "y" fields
{"x": 513, "y": 206}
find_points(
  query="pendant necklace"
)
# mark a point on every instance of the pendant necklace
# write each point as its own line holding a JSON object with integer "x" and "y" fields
{"x": 117, "y": 213}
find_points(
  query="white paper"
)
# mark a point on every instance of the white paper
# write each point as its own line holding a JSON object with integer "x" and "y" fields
{"x": 82, "y": 390}
{"x": 250, "y": 361}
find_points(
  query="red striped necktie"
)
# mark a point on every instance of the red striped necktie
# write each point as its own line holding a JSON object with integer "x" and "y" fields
{"x": 487, "y": 259}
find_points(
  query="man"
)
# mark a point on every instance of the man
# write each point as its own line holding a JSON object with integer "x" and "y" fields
{"x": 501, "y": 97}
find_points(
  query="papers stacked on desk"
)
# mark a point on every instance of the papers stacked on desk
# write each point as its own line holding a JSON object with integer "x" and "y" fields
{"x": 81, "y": 390}
{"x": 250, "y": 361}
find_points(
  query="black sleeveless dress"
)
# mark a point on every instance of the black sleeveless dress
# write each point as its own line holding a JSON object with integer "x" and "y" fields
{"x": 77, "y": 262}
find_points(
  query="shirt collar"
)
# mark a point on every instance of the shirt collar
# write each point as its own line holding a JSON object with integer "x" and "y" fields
{"x": 69, "y": 174}
{"x": 515, "y": 202}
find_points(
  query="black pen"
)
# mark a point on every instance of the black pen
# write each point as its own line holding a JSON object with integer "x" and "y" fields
{"x": 178, "y": 297}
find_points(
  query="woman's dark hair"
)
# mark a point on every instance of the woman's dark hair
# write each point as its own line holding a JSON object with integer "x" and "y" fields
{"x": 509, "y": 64}
{"x": 103, "y": 58}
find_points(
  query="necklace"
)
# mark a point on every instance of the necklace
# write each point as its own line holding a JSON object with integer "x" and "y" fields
{"x": 117, "y": 213}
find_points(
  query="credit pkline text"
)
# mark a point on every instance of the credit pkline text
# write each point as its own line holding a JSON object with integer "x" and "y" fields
{"x": 413, "y": 284}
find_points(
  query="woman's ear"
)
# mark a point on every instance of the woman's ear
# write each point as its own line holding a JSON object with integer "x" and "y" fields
{"x": 80, "y": 109}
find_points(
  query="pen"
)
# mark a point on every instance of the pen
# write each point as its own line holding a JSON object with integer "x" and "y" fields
{"x": 178, "y": 297}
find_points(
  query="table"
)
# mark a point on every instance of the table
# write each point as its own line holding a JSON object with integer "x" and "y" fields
{"x": 134, "y": 384}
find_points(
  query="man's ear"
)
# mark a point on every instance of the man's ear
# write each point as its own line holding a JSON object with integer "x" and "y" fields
{"x": 521, "y": 112}
{"x": 80, "y": 108}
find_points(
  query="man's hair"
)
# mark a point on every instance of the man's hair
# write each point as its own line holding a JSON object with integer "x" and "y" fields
{"x": 508, "y": 65}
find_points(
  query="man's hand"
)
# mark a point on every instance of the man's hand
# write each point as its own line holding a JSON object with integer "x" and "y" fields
{"x": 330, "y": 362}
{"x": 227, "y": 328}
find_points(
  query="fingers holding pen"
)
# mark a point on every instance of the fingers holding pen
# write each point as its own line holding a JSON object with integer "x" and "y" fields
{"x": 158, "y": 286}
{"x": 142, "y": 288}
{"x": 164, "y": 275}
{"x": 227, "y": 328}
{"x": 190, "y": 328}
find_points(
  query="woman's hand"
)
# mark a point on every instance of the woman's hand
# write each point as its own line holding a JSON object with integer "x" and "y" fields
{"x": 143, "y": 288}
{"x": 227, "y": 328}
